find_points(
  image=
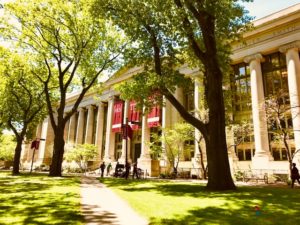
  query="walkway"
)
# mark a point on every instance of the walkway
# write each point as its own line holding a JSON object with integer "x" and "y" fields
{"x": 101, "y": 206}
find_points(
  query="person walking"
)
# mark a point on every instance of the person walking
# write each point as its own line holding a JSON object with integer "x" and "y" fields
{"x": 135, "y": 171}
{"x": 295, "y": 175}
{"x": 108, "y": 168}
{"x": 102, "y": 167}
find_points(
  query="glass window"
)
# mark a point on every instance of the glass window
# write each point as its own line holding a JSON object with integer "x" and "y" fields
{"x": 283, "y": 154}
{"x": 240, "y": 154}
{"x": 241, "y": 87}
{"x": 274, "y": 72}
{"x": 276, "y": 153}
{"x": 248, "y": 155}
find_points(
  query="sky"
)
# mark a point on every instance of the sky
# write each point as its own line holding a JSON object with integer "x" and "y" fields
{"x": 262, "y": 8}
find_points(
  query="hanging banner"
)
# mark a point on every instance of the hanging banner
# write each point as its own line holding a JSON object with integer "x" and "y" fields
{"x": 134, "y": 115}
{"x": 35, "y": 144}
{"x": 126, "y": 131}
{"x": 154, "y": 117}
{"x": 117, "y": 116}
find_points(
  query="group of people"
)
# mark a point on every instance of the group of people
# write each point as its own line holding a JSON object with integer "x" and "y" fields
{"x": 102, "y": 168}
{"x": 119, "y": 170}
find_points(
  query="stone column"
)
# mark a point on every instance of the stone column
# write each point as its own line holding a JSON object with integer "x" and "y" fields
{"x": 145, "y": 151}
{"x": 110, "y": 136}
{"x": 46, "y": 146}
{"x": 89, "y": 125}
{"x": 71, "y": 131}
{"x": 123, "y": 155}
{"x": 196, "y": 163}
{"x": 262, "y": 151}
{"x": 66, "y": 131}
{"x": 100, "y": 130}
{"x": 293, "y": 68}
{"x": 166, "y": 123}
{"x": 80, "y": 125}
{"x": 175, "y": 117}
{"x": 145, "y": 162}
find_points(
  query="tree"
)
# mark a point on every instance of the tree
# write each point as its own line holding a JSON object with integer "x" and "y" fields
{"x": 278, "y": 111}
{"x": 22, "y": 105}
{"x": 201, "y": 31}
{"x": 175, "y": 139}
{"x": 81, "y": 154}
{"x": 73, "y": 48}
{"x": 7, "y": 147}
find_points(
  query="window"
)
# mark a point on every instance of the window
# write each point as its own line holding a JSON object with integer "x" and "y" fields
{"x": 245, "y": 154}
{"x": 280, "y": 154}
{"x": 274, "y": 72}
{"x": 241, "y": 86}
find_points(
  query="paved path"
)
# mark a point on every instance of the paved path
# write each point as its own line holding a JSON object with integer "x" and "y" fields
{"x": 101, "y": 206}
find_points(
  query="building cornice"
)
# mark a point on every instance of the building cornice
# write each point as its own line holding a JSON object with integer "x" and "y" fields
{"x": 291, "y": 45}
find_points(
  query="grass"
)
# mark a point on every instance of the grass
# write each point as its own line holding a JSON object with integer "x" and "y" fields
{"x": 39, "y": 199}
{"x": 175, "y": 203}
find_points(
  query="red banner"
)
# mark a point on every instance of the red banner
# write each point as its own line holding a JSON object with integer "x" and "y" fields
{"x": 117, "y": 116}
{"x": 35, "y": 144}
{"x": 134, "y": 115}
{"x": 154, "y": 117}
{"x": 126, "y": 131}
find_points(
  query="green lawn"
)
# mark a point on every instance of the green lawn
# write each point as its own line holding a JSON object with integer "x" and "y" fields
{"x": 174, "y": 203}
{"x": 39, "y": 199}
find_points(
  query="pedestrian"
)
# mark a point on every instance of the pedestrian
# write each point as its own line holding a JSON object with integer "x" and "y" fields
{"x": 108, "y": 168}
{"x": 135, "y": 171}
{"x": 127, "y": 170}
{"x": 117, "y": 169}
{"x": 295, "y": 175}
{"x": 102, "y": 167}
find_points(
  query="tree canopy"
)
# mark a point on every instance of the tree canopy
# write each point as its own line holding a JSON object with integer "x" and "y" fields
{"x": 169, "y": 33}
{"x": 22, "y": 98}
{"x": 72, "y": 48}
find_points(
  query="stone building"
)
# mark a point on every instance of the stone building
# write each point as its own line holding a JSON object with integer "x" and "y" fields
{"x": 265, "y": 61}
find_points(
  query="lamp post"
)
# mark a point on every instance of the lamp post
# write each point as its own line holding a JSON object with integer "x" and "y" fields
{"x": 35, "y": 146}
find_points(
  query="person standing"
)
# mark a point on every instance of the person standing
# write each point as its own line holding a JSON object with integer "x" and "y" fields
{"x": 108, "y": 168}
{"x": 102, "y": 167}
{"x": 295, "y": 175}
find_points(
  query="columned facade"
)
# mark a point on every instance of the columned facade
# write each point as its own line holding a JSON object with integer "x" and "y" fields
{"x": 265, "y": 61}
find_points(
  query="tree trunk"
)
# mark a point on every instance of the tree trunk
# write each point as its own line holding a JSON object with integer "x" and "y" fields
{"x": 219, "y": 176}
{"x": 17, "y": 156}
{"x": 58, "y": 153}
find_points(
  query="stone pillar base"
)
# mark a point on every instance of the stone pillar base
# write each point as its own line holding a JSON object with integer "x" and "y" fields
{"x": 197, "y": 170}
{"x": 261, "y": 162}
{"x": 150, "y": 166}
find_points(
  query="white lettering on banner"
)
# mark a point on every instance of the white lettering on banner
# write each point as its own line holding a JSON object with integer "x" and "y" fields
{"x": 116, "y": 125}
{"x": 153, "y": 119}
{"x": 118, "y": 109}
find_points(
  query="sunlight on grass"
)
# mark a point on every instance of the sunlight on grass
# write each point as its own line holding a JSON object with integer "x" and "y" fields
{"x": 169, "y": 203}
{"x": 39, "y": 199}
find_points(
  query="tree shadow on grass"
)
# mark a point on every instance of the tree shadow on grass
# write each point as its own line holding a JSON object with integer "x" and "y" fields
{"x": 216, "y": 215}
{"x": 278, "y": 205}
{"x": 93, "y": 215}
{"x": 30, "y": 200}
